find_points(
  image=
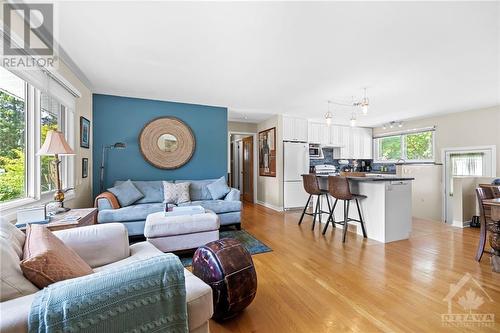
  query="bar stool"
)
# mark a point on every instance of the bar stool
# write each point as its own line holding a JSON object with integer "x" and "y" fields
{"x": 311, "y": 186}
{"x": 338, "y": 187}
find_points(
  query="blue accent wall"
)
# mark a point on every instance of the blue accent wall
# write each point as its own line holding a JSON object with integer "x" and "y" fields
{"x": 120, "y": 119}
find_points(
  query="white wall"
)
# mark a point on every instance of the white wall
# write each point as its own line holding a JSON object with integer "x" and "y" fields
{"x": 270, "y": 189}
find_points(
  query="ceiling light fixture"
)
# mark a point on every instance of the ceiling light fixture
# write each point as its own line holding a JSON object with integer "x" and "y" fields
{"x": 328, "y": 115}
{"x": 392, "y": 124}
{"x": 353, "y": 120}
{"x": 357, "y": 104}
{"x": 365, "y": 103}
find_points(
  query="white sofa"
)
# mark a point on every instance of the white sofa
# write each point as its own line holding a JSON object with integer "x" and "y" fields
{"x": 102, "y": 247}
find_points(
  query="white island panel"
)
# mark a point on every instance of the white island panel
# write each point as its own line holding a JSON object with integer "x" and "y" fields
{"x": 386, "y": 211}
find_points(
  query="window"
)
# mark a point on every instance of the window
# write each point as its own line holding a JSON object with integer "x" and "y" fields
{"x": 13, "y": 137}
{"x": 26, "y": 115}
{"x": 50, "y": 120}
{"x": 411, "y": 147}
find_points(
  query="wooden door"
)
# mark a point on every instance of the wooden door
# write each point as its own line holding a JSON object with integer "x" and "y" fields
{"x": 247, "y": 170}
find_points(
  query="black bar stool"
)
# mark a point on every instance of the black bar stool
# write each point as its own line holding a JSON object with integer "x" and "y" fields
{"x": 338, "y": 187}
{"x": 311, "y": 186}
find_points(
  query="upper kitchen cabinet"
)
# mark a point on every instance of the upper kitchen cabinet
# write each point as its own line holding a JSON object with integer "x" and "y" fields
{"x": 355, "y": 142}
{"x": 294, "y": 129}
{"x": 323, "y": 134}
{"x": 318, "y": 133}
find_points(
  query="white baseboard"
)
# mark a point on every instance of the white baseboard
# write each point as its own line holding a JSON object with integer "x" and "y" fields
{"x": 461, "y": 224}
{"x": 268, "y": 205}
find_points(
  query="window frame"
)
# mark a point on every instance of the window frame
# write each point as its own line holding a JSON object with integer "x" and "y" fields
{"x": 33, "y": 190}
{"x": 404, "y": 157}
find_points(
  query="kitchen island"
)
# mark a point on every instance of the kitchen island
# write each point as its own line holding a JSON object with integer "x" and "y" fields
{"x": 386, "y": 210}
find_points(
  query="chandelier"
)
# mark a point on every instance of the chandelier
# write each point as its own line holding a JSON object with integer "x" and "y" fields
{"x": 361, "y": 104}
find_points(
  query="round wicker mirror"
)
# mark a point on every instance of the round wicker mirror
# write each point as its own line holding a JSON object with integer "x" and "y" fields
{"x": 167, "y": 143}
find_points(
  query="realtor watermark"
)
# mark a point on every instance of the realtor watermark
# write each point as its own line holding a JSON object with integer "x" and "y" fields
{"x": 470, "y": 296}
{"x": 28, "y": 38}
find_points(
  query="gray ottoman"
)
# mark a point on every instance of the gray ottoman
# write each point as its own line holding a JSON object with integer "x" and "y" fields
{"x": 175, "y": 233}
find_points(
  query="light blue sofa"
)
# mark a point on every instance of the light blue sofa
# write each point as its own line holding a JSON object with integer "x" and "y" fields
{"x": 134, "y": 216}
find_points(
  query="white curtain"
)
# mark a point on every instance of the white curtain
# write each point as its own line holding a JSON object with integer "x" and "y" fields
{"x": 469, "y": 164}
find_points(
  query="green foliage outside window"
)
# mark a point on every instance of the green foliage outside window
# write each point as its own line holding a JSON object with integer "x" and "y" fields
{"x": 390, "y": 148}
{"x": 12, "y": 170}
{"x": 410, "y": 147}
{"x": 419, "y": 146}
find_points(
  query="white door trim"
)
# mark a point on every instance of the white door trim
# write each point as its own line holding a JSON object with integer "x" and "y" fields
{"x": 444, "y": 151}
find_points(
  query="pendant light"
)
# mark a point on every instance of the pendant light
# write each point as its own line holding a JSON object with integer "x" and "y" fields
{"x": 328, "y": 115}
{"x": 365, "y": 103}
{"x": 353, "y": 120}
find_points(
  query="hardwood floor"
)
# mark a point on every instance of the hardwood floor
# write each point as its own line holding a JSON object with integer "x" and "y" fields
{"x": 314, "y": 283}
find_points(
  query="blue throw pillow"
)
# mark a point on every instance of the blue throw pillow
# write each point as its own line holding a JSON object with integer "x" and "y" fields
{"x": 126, "y": 193}
{"x": 218, "y": 189}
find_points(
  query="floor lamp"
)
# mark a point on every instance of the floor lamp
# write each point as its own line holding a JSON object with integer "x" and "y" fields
{"x": 117, "y": 145}
{"x": 55, "y": 145}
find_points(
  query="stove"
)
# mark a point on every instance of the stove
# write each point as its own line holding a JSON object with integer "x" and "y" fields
{"x": 325, "y": 169}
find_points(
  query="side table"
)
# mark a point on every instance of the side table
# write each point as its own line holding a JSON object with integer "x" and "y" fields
{"x": 73, "y": 218}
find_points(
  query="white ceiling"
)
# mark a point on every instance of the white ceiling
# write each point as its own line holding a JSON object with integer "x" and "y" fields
{"x": 258, "y": 59}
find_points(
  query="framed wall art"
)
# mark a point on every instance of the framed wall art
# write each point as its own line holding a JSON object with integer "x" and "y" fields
{"x": 267, "y": 152}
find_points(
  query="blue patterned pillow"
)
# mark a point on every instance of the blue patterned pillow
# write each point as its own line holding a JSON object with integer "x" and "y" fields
{"x": 126, "y": 193}
{"x": 218, "y": 189}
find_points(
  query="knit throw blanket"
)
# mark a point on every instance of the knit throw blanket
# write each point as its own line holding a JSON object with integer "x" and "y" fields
{"x": 145, "y": 296}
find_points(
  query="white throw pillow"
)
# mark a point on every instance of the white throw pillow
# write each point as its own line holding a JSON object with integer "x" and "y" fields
{"x": 176, "y": 193}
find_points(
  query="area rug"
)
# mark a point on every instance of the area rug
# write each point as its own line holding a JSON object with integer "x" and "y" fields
{"x": 252, "y": 244}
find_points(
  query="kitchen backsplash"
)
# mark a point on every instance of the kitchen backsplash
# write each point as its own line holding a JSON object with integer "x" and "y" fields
{"x": 329, "y": 159}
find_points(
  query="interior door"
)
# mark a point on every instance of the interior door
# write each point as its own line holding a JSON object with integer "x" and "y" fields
{"x": 464, "y": 163}
{"x": 247, "y": 171}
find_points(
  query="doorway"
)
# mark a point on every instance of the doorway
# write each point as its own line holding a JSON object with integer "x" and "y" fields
{"x": 247, "y": 170}
{"x": 242, "y": 150}
{"x": 465, "y": 162}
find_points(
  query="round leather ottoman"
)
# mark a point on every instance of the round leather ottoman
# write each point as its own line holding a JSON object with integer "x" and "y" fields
{"x": 227, "y": 267}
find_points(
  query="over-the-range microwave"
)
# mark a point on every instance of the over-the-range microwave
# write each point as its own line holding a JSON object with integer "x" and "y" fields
{"x": 315, "y": 151}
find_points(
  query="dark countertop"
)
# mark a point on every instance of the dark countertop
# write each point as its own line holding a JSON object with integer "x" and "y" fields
{"x": 385, "y": 178}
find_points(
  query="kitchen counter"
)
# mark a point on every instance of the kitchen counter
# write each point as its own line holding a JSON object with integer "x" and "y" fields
{"x": 376, "y": 178}
{"x": 386, "y": 210}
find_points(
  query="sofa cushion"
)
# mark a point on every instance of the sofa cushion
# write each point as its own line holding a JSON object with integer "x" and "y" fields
{"x": 218, "y": 189}
{"x": 47, "y": 259}
{"x": 130, "y": 213}
{"x": 175, "y": 193}
{"x": 126, "y": 193}
{"x": 152, "y": 190}
{"x": 198, "y": 293}
{"x": 13, "y": 284}
{"x": 97, "y": 244}
{"x": 217, "y": 206}
{"x": 198, "y": 189}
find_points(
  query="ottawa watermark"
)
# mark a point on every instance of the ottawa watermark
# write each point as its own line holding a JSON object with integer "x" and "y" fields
{"x": 468, "y": 294}
{"x": 28, "y": 39}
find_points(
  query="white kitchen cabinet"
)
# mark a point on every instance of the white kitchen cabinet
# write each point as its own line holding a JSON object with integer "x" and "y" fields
{"x": 345, "y": 142}
{"x": 367, "y": 143}
{"x": 295, "y": 129}
{"x": 318, "y": 133}
{"x": 356, "y": 142}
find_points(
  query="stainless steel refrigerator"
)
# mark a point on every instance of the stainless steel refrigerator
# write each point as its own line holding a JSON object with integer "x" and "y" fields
{"x": 295, "y": 163}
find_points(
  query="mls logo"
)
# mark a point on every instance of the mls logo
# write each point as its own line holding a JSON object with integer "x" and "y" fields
{"x": 38, "y": 23}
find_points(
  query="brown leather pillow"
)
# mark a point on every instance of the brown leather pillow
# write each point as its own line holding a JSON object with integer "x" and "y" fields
{"x": 47, "y": 259}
